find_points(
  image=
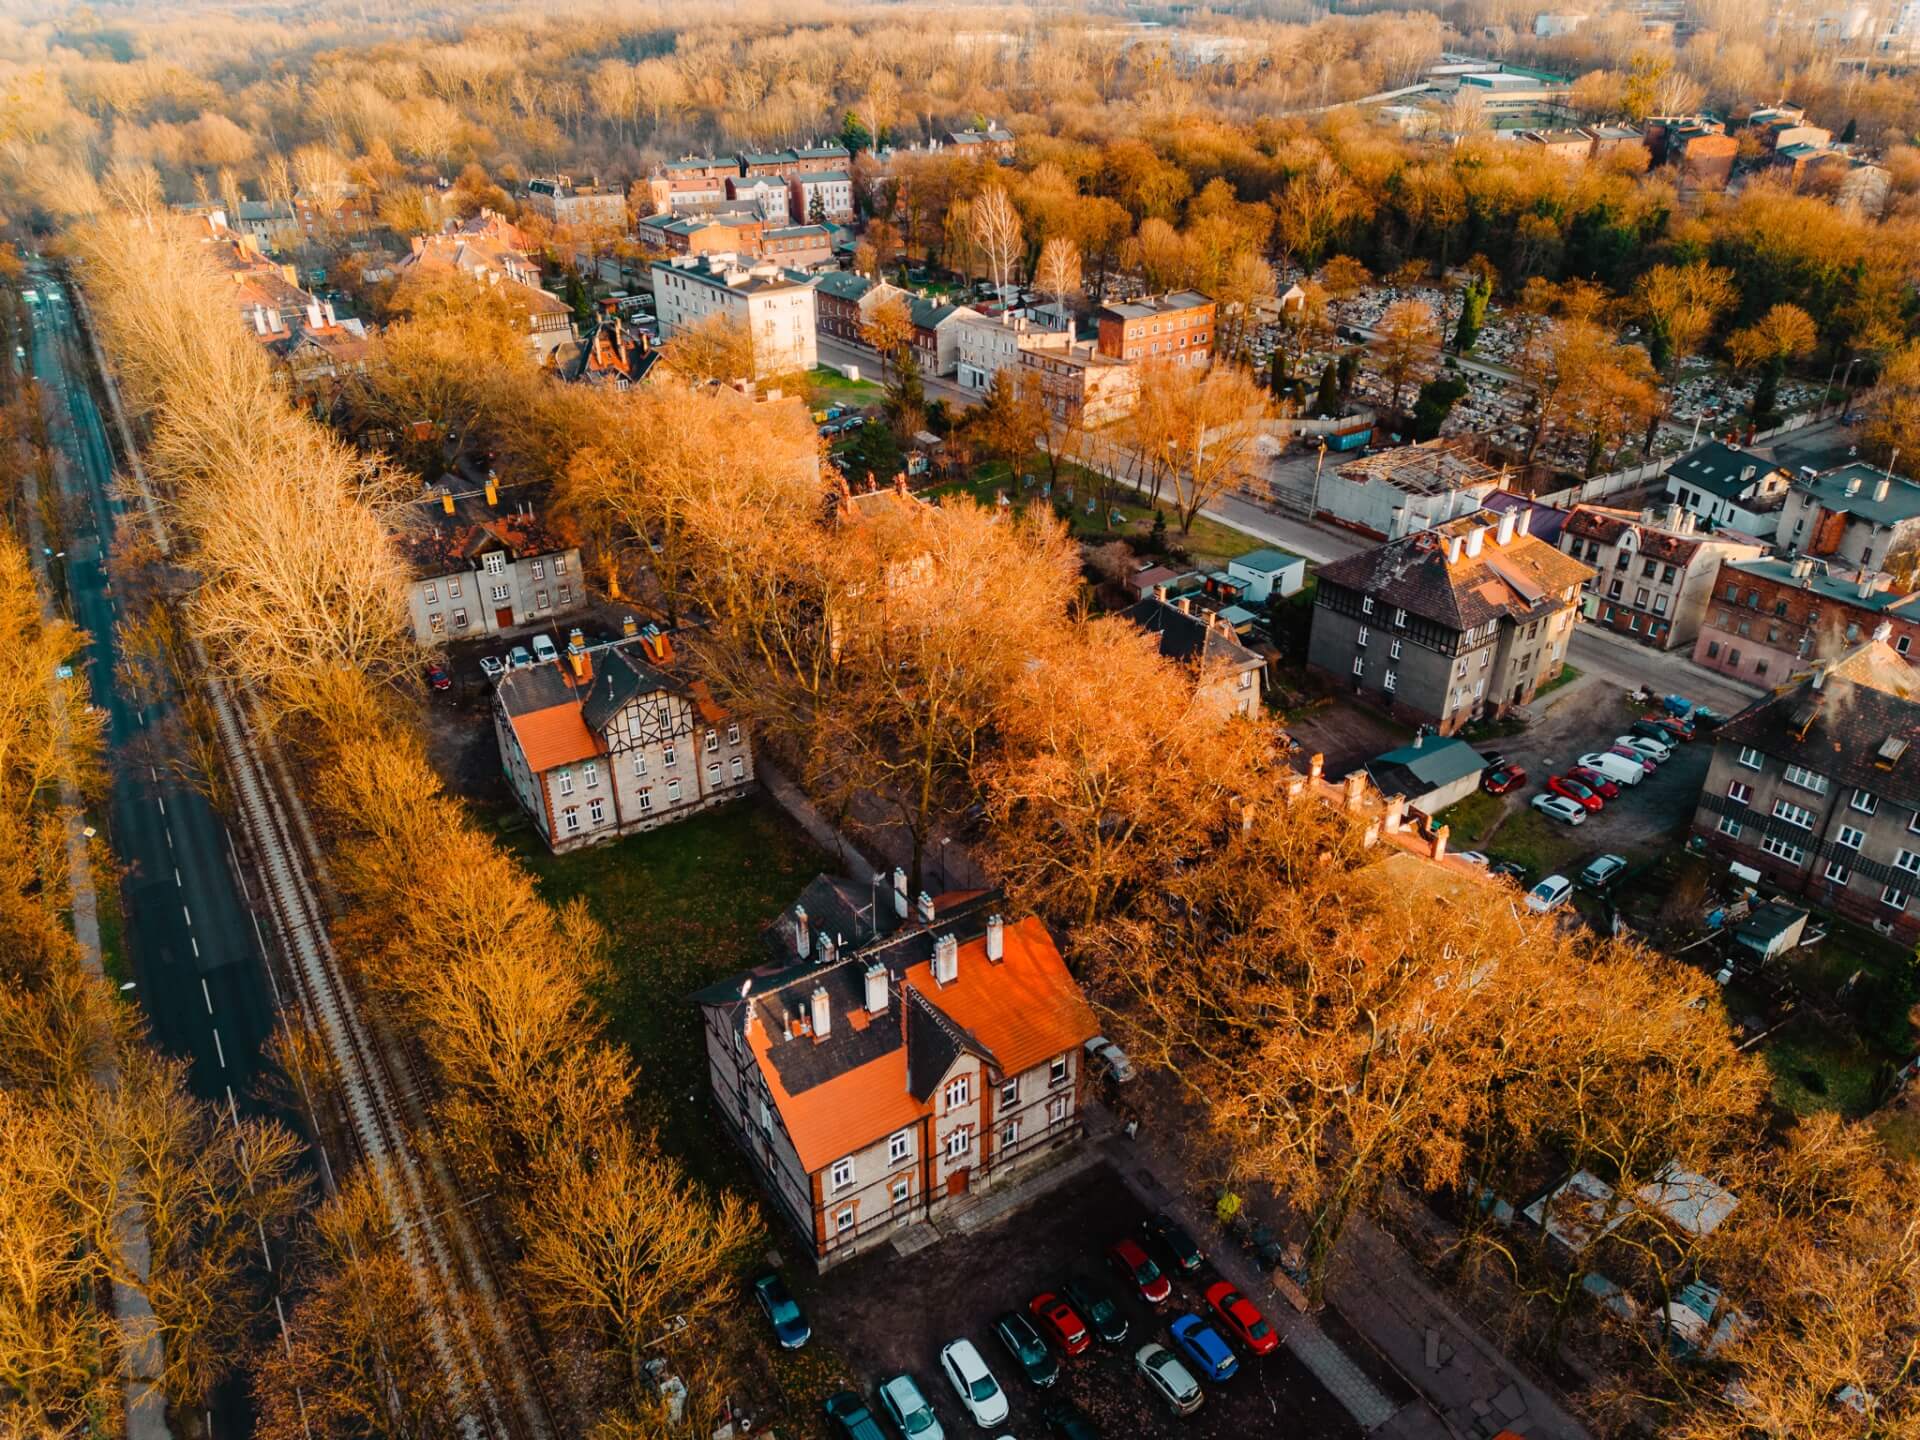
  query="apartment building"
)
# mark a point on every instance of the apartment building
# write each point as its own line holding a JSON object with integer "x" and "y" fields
{"x": 1081, "y": 384}
{"x": 775, "y": 306}
{"x": 1769, "y": 617}
{"x": 1815, "y": 788}
{"x": 1653, "y": 573}
{"x": 491, "y": 250}
{"x": 693, "y": 180}
{"x": 1228, "y": 673}
{"x": 994, "y": 141}
{"x": 817, "y": 196}
{"x": 485, "y": 564}
{"x": 1859, "y": 516}
{"x": 587, "y": 207}
{"x": 885, "y": 1062}
{"x": 1396, "y": 492}
{"x": 735, "y": 231}
{"x": 609, "y": 740}
{"x": 1726, "y": 488}
{"x": 1176, "y": 327}
{"x": 1463, "y": 621}
{"x": 988, "y": 344}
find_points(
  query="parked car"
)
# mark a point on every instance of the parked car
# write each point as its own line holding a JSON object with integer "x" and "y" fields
{"x": 1172, "y": 1380}
{"x": 790, "y": 1326}
{"x": 492, "y": 666}
{"x": 1494, "y": 760}
{"x": 1102, "y": 1314}
{"x": 1472, "y": 857}
{"x": 1136, "y": 1268}
{"x": 1573, "y": 790}
{"x": 1059, "y": 1320}
{"x": 1242, "y": 1317}
{"x": 1620, "y": 769}
{"x": 986, "y": 1402}
{"x": 1109, "y": 1059}
{"x": 1594, "y": 781}
{"x": 1499, "y": 782}
{"x": 900, "y": 1397}
{"x": 1651, "y": 746}
{"x": 1016, "y": 1334}
{"x": 1550, "y": 894}
{"x": 1202, "y": 1345}
{"x": 438, "y": 677}
{"x": 544, "y": 650}
{"x": 519, "y": 658}
{"x": 1645, "y": 761}
{"x": 1558, "y": 807}
{"x": 1068, "y": 1421}
{"x": 1173, "y": 1241}
{"x": 1602, "y": 871}
{"x": 1514, "y": 868}
{"x": 851, "y": 1419}
{"x": 1663, "y": 728}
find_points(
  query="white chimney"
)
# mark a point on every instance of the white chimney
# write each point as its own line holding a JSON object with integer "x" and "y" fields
{"x": 1880, "y": 487}
{"x": 924, "y": 904}
{"x": 1853, "y": 485}
{"x": 996, "y": 938}
{"x": 946, "y": 960}
{"x": 328, "y": 309}
{"x": 1883, "y": 632}
{"x": 313, "y": 314}
{"x": 1476, "y": 537}
{"x": 1503, "y": 534}
{"x": 820, "y": 1010}
{"x": 259, "y": 320}
{"x": 876, "y": 988}
{"x": 802, "y": 939}
{"x": 1865, "y": 587}
{"x": 1523, "y": 524}
{"x": 829, "y": 952}
{"x": 1453, "y": 549}
{"x": 899, "y": 892}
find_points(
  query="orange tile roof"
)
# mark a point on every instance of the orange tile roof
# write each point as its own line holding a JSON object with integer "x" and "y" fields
{"x": 554, "y": 736}
{"x": 846, "y": 1113}
{"x": 1026, "y": 1009}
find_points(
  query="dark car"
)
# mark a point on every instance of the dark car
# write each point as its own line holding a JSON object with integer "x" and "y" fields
{"x": 1098, "y": 1308}
{"x": 1494, "y": 760}
{"x": 438, "y": 677}
{"x": 1593, "y": 780}
{"x": 851, "y": 1418}
{"x": 1068, "y": 1421}
{"x": 1670, "y": 735}
{"x": 790, "y": 1327}
{"x": 1510, "y": 867}
{"x": 1134, "y": 1266}
{"x": 1017, "y": 1336}
{"x": 1499, "y": 782}
{"x": 1172, "y": 1240}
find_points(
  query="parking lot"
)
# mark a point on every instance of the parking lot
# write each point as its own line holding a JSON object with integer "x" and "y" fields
{"x": 886, "y": 1315}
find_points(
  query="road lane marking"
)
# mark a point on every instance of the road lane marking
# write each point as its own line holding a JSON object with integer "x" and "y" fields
{"x": 195, "y": 942}
{"x": 169, "y": 837}
{"x": 153, "y": 774}
{"x": 206, "y": 994}
{"x": 161, "y": 801}
{"x": 220, "y": 1049}
{"x": 176, "y": 877}
{"x": 188, "y": 913}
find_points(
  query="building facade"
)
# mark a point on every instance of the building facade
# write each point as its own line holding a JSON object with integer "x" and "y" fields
{"x": 988, "y": 344}
{"x": 1461, "y": 622}
{"x": 887, "y": 1062}
{"x": 1228, "y": 673}
{"x": 481, "y": 569}
{"x": 1397, "y": 492}
{"x": 1816, "y": 789}
{"x": 817, "y": 196}
{"x": 1858, "y": 516}
{"x": 1770, "y": 617}
{"x": 1080, "y": 384}
{"x": 609, "y": 740}
{"x": 1651, "y": 583}
{"x": 1726, "y": 488}
{"x": 775, "y": 308}
{"x": 1176, "y": 327}
{"x": 593, "y": 207}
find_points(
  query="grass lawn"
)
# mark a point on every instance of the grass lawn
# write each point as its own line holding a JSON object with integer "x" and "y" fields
{"x": 113, "y": 922}
{"x": 1534, "y": 840}
{"x": 830, "y": 387}
{"x": 1568, "y": 674}
{"x": 1471, "y": 818}
{"x": 682, "y": 907}
{"x": 1814, "y": 1070}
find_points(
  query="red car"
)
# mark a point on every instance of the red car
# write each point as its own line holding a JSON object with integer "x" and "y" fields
{"x": 1574, "y": 791}
{"x": 438, "y": 677}
{"x": 1594, "y": 781}
{"x": 1060, "y": 1320}
{"x": 1136, "y": 1267}
{"x": 1242, "y": 1317}
{"x": 1673, "y": 725}
{"x": 1499, "y": 781}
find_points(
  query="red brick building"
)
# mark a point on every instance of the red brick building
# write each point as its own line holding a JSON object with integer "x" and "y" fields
{"x": 1176, "y": 326}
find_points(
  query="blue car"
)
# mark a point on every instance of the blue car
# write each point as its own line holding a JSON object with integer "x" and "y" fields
{"x": 790, "y": 1327}
{"x": 1202, "y": 1344}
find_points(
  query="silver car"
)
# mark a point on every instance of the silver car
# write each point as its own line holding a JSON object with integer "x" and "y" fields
{"x": 900, "y": 1397}
{"x": 1167, "y": 1375}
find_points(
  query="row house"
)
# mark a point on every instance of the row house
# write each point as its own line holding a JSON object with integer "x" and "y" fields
{"x": 887, "y": 1062}
{"x": 989, "y": 344}
{"x": 692, "y": 180}
{"x": 936, "y": 333}
{"x": 993, "y": 141}
{"x": 1460, "y": 622}
{"x": 1651, "y": 582}
{"x": 1081, "y": 385}
{"x": 610, "y": 740}
{"x": 801, "y": 247}
{"x": 481, "y": 568}
{"x": 765, "y": 195}
{"x": 328, "y": 208}
{"x": 1770, "y": 617}
{"x": 798, "y": 160}
{"x": 1863, "y": 518}
{"x": 728, "y": 232}
{"x": 587, "y": 207}
{"x": 1727, "y": 488}
{"x": 815, "y": 196}
{"x": 1177, "y": 327}
{"x": 1815, "y": 789}
{"x": 774, "y": 306}
{"x": 842, "y": 302}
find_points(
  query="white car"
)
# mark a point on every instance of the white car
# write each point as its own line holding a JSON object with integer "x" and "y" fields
{"x": 1169, "y": 1377}
{"x": 1550, "y": 894}
{"x": 1616, "y": 768}
{"x": 1652, "y": 749}
{"x": 986, "y": 1402}
{"x": 1105, "y": 1055}
{"x": 1558, "y": 807}
{"x": 1472, "y": 857}
{"x": 908, "y": 1409}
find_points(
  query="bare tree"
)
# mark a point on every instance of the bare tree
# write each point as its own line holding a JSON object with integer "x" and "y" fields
{"x": 995, "y": 227}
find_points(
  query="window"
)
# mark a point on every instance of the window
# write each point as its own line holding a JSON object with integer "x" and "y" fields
{"x": 639, "y": 764}
{"x": 432, "y": 595}
{"x": 737, "y": 768}
{"x": 559, "y": 564}
{"x": 563, "y": 782}
{"x": 453, "y": 589}
{"x": 590, "y": 772}
{"x": 669, "y": 756}
{"x": 1057, "y": 1070}
{"x": 1733, "y": 658}
{"x": 539, "y": 570}
{"x": 1783, "y": 849}
{"x": 437, "y": 623}
{"x": 1913, "y": 822}
{"x": 1399, "y": 617}
{"x": 1010, "y": 1091}
{"x": 1392, "y": 682}
{"x": 1613, "y": 590}
{"x": 1648, "y": 568}
{"x": 713, "y": 741}
{"x": 646, "y": 800}
{"x": 1786, "y": 810}
{"x": 1730, "y": 826}
{"x": 713, "y": 772}
{"x": 1739, "y": 792}
{"x": 1838, "y": 872}
{"x": 1666, "y": 574}
{"x": 1733, "y": 593}
{"x": 842, "y": 1173}
{"x": 1806, "y": 779}
{"x": 1361, "y": 639}
{"x": 959, "y": 1090}
{"x": 1901, "y": 644}
{"x": 958, "y": 1144}
{"x": 1366, "y": 604}
{"x": 1760, "y": 667}
{"x": 1359, "y": 666}
{"x": 1056, "y": 1109}
{"x": 1908, "y": 861}
{"x": 733, "y": 733}
{"x": 499, "y": 593}
{"x": 899, "y": 1146}
{"x": 1633, "y": 622}
{"x": 673, "y": 792}
{"x": 1393, "y": 651}
{"x": 570, "y": 819}
{"x": 1659, "y": 604}
{"x": 1640, "y": 597}
{"x": 496, "y": 563}
{"x": 1750, "y": 757}
{"x": 1865, "y": 802}
{"x": 1894, "y": 897}
{"x": 540, "y": 600}
{"x": 1850, "y": 837}
{"x": 902, "y": 1189}
{"x": 1713, "y": 649}
{"x": 1010, "y": 1135}
{"x": 843, "y": 1222}
{"x": 459, "y": 619}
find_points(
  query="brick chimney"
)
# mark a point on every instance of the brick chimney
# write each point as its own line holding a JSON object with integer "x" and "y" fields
{"x": 1440, "y": 842}
{"x": 1356, "y": 789}
{"x": 1315, "y": 766}
{"x": 1396, "y": 813}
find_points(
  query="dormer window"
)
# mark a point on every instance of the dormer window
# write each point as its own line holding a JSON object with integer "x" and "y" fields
{"x": 496, "y": 562}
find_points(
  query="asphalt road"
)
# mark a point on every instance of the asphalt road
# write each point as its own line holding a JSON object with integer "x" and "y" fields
{"x": 190, "y": 937}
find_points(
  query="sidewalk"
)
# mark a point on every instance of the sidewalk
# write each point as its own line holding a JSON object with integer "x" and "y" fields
{"x": 1596, "y": 649}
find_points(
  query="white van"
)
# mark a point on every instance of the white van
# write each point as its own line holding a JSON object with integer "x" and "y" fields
{"x": 1616, "y": 768}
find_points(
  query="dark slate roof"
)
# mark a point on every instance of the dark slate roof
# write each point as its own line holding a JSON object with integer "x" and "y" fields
{"x": 1721, "y": 469}
{"x": 1187, "y": 637}
{"x": 1860, "y": 728}
{"x": 1518, "y": 580}
{"x": 617, "y": 679}
{"x": 934, "y": 1042}
{"x": 929, "y": 314}
{"x": 541, "y": 687}
{"x": 1607, "y": 527}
